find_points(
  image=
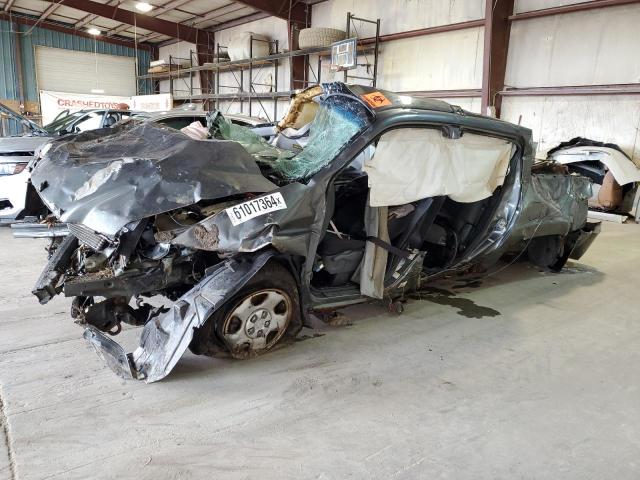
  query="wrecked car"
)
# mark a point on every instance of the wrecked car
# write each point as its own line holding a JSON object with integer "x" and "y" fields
{"x": 248, "y": 239}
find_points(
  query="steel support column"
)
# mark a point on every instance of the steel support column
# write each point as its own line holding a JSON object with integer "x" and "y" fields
{"x": 496, "y": 45}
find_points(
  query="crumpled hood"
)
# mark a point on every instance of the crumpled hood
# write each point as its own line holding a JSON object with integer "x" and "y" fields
{"x": 107, "y": 178}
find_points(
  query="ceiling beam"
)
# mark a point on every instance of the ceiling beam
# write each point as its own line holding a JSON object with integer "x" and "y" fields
{"x": 497, "y": 30}
{"x": 90, "y": 18}
{"x": 153, "y": 13}
{"x": 280, "y": 9}
{"x": 8, "y": 5}
{"x": 50, "y": 9}
{"x": 252, "y": 17}
{"x": 208, "y": 16}
{"x": 147, "y": 22}
{"x": 56, "y": 27}
{"x": 215, "y": 13}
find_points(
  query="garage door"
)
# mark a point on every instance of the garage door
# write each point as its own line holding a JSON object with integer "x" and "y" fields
{"x": 61, "y": 70}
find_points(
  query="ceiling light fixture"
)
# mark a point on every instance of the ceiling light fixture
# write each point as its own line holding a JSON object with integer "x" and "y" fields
{"x": 144, "y": 7}
{"x": 97, "y": 90}
{"x": 93, "y": 31}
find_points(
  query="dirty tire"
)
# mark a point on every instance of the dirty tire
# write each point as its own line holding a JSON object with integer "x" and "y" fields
{"x": 274, "y": 282}
{"x": 548, "y": 252}
{"x": 320, "y": 37}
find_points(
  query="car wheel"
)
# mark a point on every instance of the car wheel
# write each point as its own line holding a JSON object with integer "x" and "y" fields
{"x": 548, "y": 252}
{"x": 255, "y": 319}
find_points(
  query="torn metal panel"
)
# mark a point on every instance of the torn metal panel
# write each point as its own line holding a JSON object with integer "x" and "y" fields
{"x": 553, "y": 205}
{"x": 585, "y": 238}
{"x": 287, "y": 229}
{"x": 165, "y": 338}
{"x": 48, "y": 284}
{"x": 622, "y": 168}
{"x": 107, "y": 178}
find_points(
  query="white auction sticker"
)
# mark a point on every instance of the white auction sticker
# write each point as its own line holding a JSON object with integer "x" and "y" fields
{"x": 255, "y": 207}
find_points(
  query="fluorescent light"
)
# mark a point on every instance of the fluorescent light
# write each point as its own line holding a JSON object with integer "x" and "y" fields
{"x": 97, "y": 90}
{"x": 93, "y": 31}
{"x": 144, "y": 6}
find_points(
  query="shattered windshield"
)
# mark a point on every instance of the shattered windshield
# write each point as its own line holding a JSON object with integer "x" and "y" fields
{"x": 339, "y": 119}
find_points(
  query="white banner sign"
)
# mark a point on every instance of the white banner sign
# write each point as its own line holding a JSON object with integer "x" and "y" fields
{"x": 152, "y": 103}
{"x": 52, "y": 103}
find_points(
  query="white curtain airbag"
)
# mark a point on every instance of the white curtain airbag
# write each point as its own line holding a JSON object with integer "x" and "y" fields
{"x": 414, "y": 163}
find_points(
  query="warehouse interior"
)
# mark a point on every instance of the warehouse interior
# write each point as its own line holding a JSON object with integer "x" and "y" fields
{"x": 405, "y": 230}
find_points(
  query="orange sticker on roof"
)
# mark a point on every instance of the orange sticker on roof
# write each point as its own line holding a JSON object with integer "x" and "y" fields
{"x": 376, "y": 99}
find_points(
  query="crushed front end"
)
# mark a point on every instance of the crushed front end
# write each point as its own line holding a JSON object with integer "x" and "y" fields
{"x": 134, "y": 266}
{"x": 126, "y": 195}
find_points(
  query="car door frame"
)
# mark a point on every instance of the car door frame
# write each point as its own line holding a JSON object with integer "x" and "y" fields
{"x": 488, "y": 240}
{"x": 82, "y": 118}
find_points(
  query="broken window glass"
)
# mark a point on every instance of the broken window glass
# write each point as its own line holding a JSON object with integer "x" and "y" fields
{"x": 253, "y": 143}
{"x": 339, "y": 119}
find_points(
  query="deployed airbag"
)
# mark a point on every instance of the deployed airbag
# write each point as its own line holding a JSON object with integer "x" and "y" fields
{"x": 414, "y": 163}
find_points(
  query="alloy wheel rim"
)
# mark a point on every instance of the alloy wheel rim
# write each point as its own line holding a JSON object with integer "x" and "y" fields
{"x": 257, "y": 322}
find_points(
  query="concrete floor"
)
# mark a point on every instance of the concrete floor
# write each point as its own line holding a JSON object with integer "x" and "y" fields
{"x": 530, "y": 375}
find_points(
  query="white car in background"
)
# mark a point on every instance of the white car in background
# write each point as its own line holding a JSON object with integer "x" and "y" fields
{"x": 16, "y": 152}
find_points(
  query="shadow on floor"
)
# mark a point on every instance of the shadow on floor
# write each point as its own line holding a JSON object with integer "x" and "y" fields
{"x": 453, "y": 291}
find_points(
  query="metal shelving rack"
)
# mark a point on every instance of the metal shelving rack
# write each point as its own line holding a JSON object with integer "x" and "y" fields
{"x": 376, "y": 52}
{"x": 183, "y": 77}
{"x": 241, "y": 66}
{"x": 173, "y": 74}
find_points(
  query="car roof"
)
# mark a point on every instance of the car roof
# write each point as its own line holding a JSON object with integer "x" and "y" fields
{"x": 390, "y": 100}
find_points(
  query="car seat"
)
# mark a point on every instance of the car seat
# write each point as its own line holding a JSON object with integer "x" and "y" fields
{"x": 111, "y": 120}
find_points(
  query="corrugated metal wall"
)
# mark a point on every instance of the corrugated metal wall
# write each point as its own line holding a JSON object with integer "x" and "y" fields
{"x": 8, "y": 76}
{"x": 50, "y": 38}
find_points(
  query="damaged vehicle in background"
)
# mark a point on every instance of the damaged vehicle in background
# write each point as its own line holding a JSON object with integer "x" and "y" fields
{"x": 248, "y": 239}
